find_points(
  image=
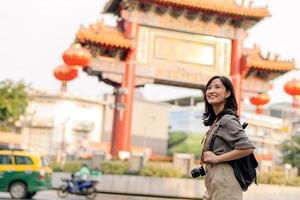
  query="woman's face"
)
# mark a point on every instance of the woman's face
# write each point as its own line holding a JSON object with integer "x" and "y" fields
{"x": 216, "y": 93}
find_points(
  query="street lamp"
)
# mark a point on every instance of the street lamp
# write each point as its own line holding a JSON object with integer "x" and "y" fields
{"x": 60, "y": 157}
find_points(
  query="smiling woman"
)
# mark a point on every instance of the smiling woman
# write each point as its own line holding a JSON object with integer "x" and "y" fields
{"x": 230, "y": 141}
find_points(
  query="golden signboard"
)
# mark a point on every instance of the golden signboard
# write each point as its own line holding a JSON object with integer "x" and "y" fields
{"x": 172, "y": 49}
{"x": 183, "y": 57}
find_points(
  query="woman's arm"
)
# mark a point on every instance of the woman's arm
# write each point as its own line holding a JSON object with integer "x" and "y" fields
{"x": 210, "y": 157}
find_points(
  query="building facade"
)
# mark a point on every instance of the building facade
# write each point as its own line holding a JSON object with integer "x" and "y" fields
{"x": 75, "y": 125}
{"x": 59, "y": 121}
{"x": 268, "y": 133}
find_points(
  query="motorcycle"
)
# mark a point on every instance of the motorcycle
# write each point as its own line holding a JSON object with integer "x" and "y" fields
{"x": 83, "y": 188}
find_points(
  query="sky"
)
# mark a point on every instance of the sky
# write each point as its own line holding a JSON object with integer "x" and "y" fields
{"x": 35, "y": 33}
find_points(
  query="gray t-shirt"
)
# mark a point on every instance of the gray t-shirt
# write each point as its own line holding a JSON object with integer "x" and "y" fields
{"x": 230, "y": 135}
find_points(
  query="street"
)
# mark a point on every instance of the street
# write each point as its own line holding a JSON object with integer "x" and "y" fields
{"x": 51, "y": 195}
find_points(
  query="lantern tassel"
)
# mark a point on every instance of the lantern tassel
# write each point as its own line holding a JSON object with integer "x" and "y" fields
{"x": 63, "y": 87}
{"x": 296, "y": 101}
{"x": 259, "y": 110}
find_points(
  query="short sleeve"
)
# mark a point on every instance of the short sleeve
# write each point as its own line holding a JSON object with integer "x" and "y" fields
{"x": 235, "y": 135}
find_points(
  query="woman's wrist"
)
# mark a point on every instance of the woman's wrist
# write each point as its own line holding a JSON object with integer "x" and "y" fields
{"x": 220, "y": 158}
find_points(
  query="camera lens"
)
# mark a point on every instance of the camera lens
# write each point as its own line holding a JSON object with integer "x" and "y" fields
{"x": 195, "y": 173}
{"x": 199, "y": 171}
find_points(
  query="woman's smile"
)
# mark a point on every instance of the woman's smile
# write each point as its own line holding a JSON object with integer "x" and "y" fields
{"x": 216, "y": 92}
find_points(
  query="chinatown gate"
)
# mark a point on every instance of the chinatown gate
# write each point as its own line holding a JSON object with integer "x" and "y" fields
{"x": 179, "y": 43}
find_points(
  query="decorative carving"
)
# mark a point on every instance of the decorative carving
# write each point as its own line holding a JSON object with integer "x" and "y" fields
{"x": 206, "y": 17}
{"x": 145, "y": 6}
{"x": 161, "y": 9}
{"x": 191, "y": 14}
{"x": 186, "y": 25}
{"x": 262, "y": 74}
{"x": 108, "y": 51}
{"x": 221, "y": 19}
{"x": 176, "y": 12}
{"x": 122, "y": 53}
{"x": 92, "y": 47}
{"x": 237, "y": 23}
{"x": 112, "y": 51}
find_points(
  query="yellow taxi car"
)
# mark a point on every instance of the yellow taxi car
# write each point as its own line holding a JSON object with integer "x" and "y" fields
{"x": 23, "y": 173}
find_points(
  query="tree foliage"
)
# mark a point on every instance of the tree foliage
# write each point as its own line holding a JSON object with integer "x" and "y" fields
{"x": 183, "y": 142}
{"x": 13, "y": 102}
{"x": 291, "y": 151}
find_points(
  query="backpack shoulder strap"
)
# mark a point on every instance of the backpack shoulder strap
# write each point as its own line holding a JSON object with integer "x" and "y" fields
{"x": 213, "y": 137}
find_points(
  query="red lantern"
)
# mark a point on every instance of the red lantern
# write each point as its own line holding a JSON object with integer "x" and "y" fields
{"x": 260, "y": 100}
{"x": 77, "y": 55}
{"x": 65, "y": 73}
{"x": 293, "y": 88}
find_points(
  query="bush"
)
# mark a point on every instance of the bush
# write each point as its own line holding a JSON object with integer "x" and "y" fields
{"x": 72, "y": 167}
{"x": 279, "y": 178}
{"x": 114, "y": 167}
{"x": 160, "y": 171}
{"x": 56, "y": 167}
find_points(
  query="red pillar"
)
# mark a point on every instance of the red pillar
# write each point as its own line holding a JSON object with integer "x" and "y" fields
{"x": 123, "y": 140}
{"x": 235, "y": 69}
{"x": 115, "y": 126}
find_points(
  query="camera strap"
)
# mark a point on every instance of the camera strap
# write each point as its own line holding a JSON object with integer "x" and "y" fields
{"x": 205, "y": 140}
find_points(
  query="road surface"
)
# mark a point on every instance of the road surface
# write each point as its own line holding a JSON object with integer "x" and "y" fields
{"x": 51, "y": 195}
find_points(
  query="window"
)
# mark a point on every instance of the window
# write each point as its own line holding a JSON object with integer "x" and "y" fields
{"x": 5, "y": 160}
{"x": 23, "y": 160}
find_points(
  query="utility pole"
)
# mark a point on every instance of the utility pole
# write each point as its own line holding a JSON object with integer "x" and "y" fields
{"x": 62, "y": 149}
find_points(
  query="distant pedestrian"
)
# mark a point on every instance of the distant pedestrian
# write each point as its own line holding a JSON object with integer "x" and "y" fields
{"x": 231, "y": 142}
{"x": 84, "y": 173}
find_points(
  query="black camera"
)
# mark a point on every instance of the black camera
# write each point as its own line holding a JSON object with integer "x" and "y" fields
{"x": 199, "y": 171}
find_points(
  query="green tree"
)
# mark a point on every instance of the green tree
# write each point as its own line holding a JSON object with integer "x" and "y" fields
{"x": 185, "y": 142}
{"x": 13, "y": 102}
{"x": 291, "y": 151}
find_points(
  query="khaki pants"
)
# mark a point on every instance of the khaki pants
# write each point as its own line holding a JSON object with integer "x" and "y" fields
{"x": 221, "y": 183}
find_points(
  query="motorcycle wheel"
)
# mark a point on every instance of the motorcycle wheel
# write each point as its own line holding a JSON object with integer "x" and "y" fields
{"x": 91, "y": 193}
{"x": 62, "y": 191}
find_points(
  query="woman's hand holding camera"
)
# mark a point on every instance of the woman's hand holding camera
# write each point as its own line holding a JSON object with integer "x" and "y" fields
{"x": 210, "y": 157}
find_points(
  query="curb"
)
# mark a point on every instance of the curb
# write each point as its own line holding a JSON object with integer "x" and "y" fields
{"x": 143, "y": 195}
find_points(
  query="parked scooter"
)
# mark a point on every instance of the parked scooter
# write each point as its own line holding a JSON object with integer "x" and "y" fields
{"x": 78, "y": 187}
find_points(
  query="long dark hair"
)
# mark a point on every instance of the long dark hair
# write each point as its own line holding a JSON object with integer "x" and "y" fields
{"x": 230, "y": 106}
